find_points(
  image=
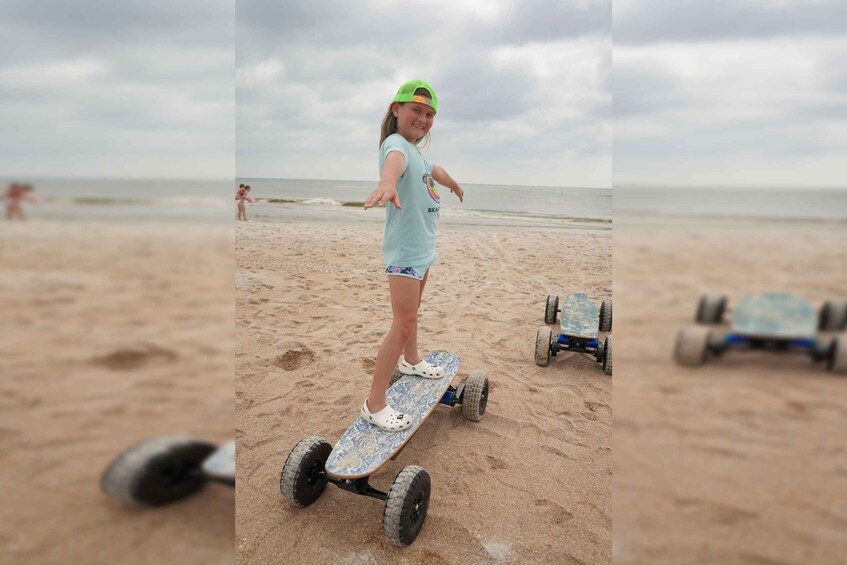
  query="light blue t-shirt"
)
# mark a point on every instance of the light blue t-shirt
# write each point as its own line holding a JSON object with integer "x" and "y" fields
{"x": 409, "y": 238}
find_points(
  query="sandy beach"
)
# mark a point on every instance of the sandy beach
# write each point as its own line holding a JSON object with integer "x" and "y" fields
{"x": 743, "y": 460}
{"x": 530, "y": 483}
{"x": 112, "y": 333}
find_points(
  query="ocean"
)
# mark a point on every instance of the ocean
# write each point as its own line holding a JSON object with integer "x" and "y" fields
{"x": 280, "y": 200}
{"x": 203, "y": 201}
{"x": 752, "y": 204}
{"x": 543, "y": 207}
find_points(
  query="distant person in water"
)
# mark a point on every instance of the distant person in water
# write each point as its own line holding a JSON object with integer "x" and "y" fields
{"x": 15, "y": 195}
{"x": 242, "y": 195}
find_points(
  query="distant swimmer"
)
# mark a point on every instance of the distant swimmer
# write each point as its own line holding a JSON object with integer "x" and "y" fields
{"x": 15, "y": 195}
{"x": 242, "y": 195}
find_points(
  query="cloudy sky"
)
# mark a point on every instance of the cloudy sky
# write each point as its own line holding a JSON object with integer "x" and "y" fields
{"x": 730, "y": 92}
{"x": 117, "y": 89}
{"x": 524, "y": 87}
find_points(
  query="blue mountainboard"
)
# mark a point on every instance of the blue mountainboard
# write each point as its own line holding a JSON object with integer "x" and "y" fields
{"x": 364, "y": 448}
{"x": 580, "y": 316}
{"x": 774, "y": 314}
{"x": 221, "y": 464}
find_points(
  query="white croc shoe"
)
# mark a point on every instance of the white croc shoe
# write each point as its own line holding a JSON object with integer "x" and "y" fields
{"x": 422, "y": 369}
{"x": 387, "y": 419}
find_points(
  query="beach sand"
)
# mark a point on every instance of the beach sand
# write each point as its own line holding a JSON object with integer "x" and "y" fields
{"x": 111, "y": 334}
{"x": 530, "y": 483}
{"x": 743, "y": 460}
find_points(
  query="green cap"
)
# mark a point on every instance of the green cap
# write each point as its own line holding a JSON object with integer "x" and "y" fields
{"x": 407, "y": 94}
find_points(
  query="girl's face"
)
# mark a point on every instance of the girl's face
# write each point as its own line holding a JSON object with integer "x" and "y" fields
{"x": 414, "y": 120}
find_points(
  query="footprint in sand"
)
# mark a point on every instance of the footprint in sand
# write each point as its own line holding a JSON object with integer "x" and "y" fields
{"x": 294, "y": 359}
{"x": 368, "y": 364}
{"x": 134, "y": 358}
{"x": 798, "y": 410}
{"x": 496, "y": 463}
{"x": 594, "y": 406}
{"x": 720, "y": 513}
{"x": 557, "y": 512}
{"x": 241, "y": 402}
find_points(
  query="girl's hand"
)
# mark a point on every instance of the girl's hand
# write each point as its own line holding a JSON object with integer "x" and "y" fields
{"x": 459, "y": 192}
{"x": 385, "y": 192}
{"x": 441, "y": 177}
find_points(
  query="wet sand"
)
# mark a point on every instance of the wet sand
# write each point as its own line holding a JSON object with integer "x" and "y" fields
{"x": 530, "y": 483}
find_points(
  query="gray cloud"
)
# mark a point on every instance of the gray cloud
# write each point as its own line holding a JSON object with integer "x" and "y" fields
{"x": 643, "y": 89}
{"x": 478, "y": 93}
{"x": 518, "y": 84}
{"x": 335, "y": 23}
{"x": 656, "y": 21}
{"x": 550, "y": 20}
{"x": 147, "y": 88}
{"x": 736, "y": 92}
{"x": 48, "y": 28}
{"x": 117, "y": 88}
{"x": 767, "y": 138}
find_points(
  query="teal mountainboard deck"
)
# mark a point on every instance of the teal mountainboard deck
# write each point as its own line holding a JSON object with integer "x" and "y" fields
{"x": 364, "y": 448}
{"x": 221, "y": 463}
{"x": 776, "y": 315}
{"x": 580, "y": 316}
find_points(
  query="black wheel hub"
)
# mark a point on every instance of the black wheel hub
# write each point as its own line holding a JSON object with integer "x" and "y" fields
{"x": 313, "y": 475}
{"x": 417, "y": 507}
{"x": 483, "y": 401}
{"x": 175, "y": 473}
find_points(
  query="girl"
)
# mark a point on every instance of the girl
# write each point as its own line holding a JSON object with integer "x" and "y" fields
{"x": 14, "y": 196}
{"x": 241, "y": 196}
{"x": 408, "y": 244}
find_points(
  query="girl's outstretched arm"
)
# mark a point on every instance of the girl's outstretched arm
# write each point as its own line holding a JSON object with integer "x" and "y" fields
{"x": 386, "y": 190}
{"x": 441, "y": 177}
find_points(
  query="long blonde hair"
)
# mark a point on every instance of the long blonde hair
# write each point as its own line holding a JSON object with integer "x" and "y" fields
{"x": 389, "y": 122}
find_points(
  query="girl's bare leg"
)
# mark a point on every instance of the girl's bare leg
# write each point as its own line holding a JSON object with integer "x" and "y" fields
{"x": 405, "y": 297}
{"x": 410, "y": 350}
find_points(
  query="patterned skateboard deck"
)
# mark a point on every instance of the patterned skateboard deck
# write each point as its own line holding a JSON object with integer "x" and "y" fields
{"x": 221, "y": 463}
{"x": 775, "y": 315}
{"x": 580, "y": 316}
{"x": 364, "y": 448}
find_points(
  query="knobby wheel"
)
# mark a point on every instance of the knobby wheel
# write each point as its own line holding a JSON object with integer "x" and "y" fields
{"x": 606, "y": 316}
{"x": 832, "y": 316}
{"x": 692, "y": 346}
{"x": 157, "y": 471}
{"x": 406, "y": 505}
{"x": 551, "y": 309}
{"x": 837, "y": 362}
{"x": 475, "y": 396}
{"x": 607, "y": 355}
{"x": 710, "y": 309}
{"x": 301, "y": 481}
{"x": 542, "y": 346}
